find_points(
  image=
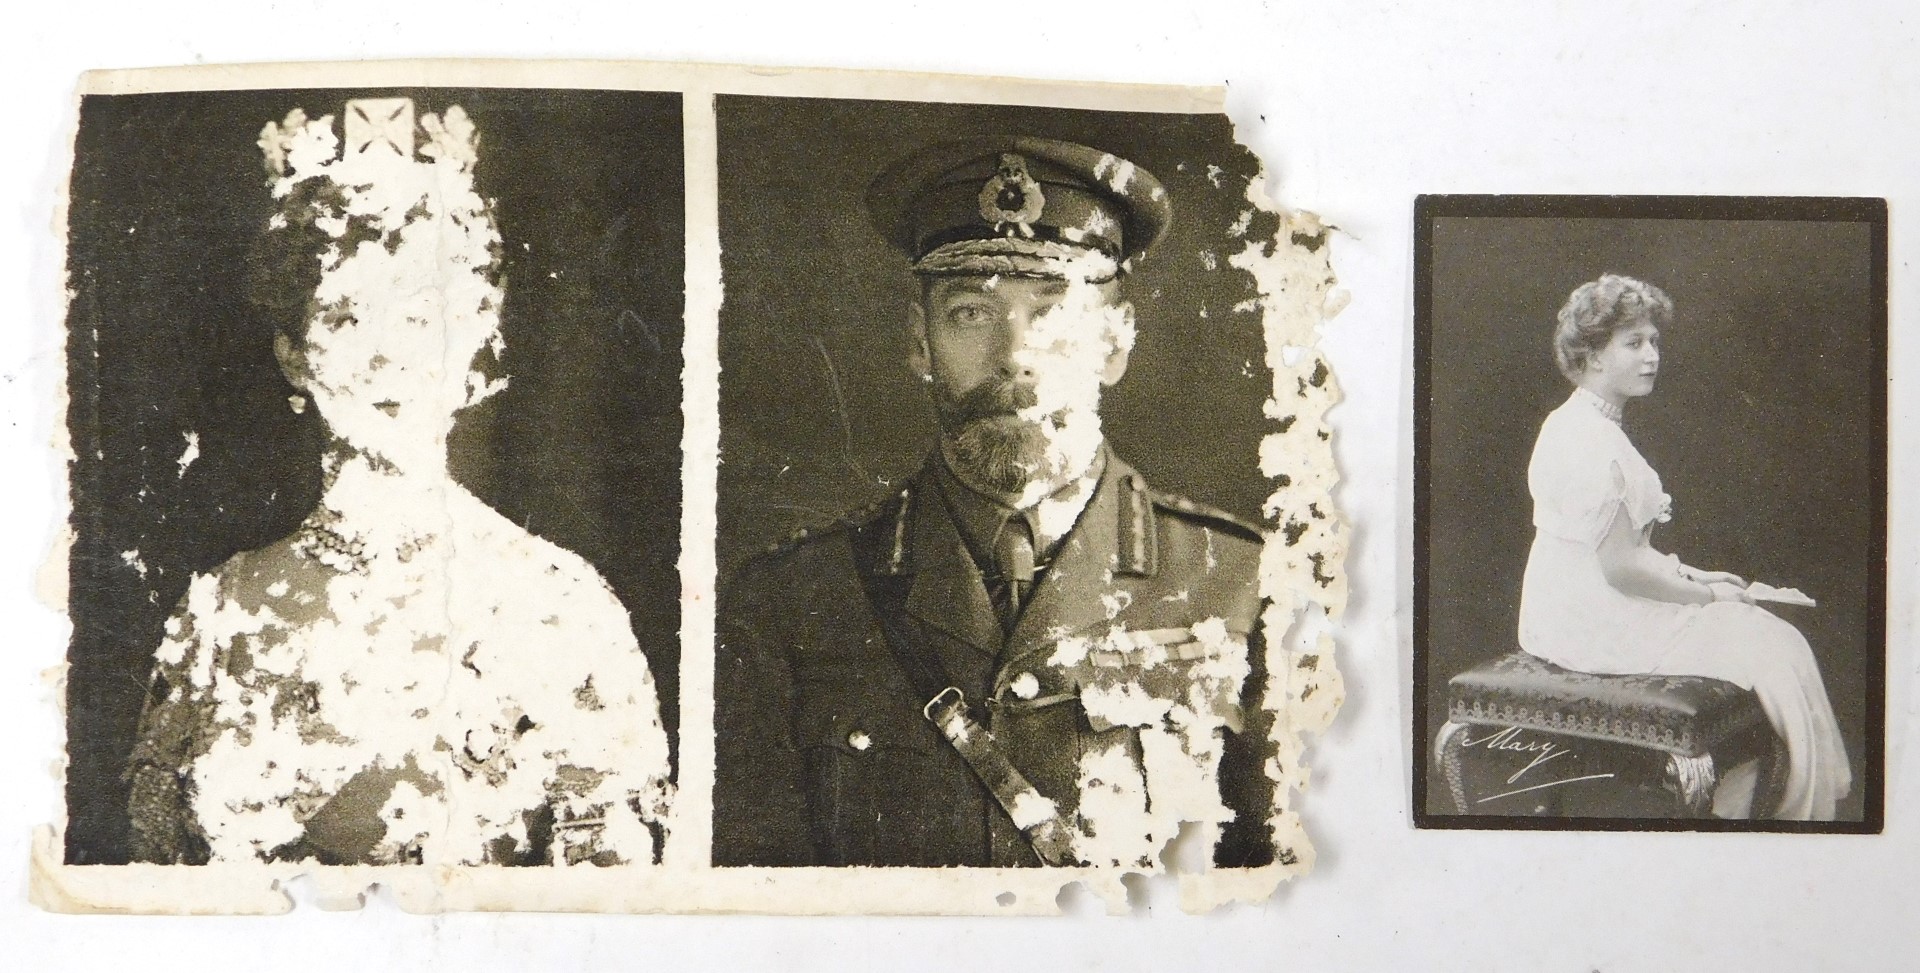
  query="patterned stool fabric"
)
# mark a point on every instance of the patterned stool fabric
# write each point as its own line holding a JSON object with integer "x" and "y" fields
{"x": 1685, "y": 715}
{"x": 1692, "y": 720}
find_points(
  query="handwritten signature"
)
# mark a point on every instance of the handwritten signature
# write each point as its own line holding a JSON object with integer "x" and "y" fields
{"x": 1509, "y": 739}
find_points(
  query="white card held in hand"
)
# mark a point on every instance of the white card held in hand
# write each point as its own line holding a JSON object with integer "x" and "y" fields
{"x": 1785, "y": 596}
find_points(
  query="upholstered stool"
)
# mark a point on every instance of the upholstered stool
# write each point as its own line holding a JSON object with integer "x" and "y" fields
{"x": 1557, "y": 728}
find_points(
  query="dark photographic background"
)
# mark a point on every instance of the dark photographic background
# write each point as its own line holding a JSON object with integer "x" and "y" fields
{"x": 818, "y": 408}
{"x": 1761, "y": 427}
{"x": 582, "y": 448}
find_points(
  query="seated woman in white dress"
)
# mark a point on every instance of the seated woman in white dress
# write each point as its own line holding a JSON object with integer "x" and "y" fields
{"x": 1598, "y": 597}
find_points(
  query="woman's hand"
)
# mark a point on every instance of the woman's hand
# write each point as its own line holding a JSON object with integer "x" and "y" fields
{"x": 1729, "y": 591}
{"x": 1633, "y": 567}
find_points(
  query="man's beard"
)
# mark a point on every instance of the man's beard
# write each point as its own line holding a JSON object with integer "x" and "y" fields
{"x": 992, "y": 445}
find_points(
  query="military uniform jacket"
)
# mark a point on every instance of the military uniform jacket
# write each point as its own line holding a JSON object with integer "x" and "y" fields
{"x": 823, "y": 754}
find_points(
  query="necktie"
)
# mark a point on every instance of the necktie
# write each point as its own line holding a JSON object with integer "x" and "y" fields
{"x": 1013, "y": 562}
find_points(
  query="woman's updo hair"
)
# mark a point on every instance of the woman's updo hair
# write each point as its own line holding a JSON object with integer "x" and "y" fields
{"x": 285, "y": 262}
{"x": 1598, "y": 308}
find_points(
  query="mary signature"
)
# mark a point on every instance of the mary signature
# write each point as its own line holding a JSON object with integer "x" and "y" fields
{"x": 1511, "y": 740}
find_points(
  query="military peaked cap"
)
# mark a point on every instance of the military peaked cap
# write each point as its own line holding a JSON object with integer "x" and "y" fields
{"x": 1020, "y": 206}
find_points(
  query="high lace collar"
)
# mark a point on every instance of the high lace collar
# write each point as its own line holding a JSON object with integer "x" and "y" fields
{"x": 1614, "y": 413}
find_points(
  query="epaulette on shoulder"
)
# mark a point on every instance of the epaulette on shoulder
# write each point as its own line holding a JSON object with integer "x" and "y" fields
{"x": 851, "y": 521}
{"x": 1209, "y": 516}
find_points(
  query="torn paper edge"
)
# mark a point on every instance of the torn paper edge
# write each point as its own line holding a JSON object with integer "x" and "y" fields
{"x": 1302, "y": 573}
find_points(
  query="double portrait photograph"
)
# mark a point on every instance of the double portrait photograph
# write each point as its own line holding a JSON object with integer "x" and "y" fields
{"x": 385, "y": 444}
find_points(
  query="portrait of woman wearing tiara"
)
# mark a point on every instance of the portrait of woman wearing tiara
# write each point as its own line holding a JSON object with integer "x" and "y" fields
{"x": 1598, "y": 596}
{"x": 409, "y": 677}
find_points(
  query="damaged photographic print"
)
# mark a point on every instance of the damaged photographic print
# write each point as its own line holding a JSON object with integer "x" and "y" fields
{"x": 374, "y": 415}
{"x": 1651, "y": 513}
{"x": 620, "y": 487}
{"x": 1025, "y": 484}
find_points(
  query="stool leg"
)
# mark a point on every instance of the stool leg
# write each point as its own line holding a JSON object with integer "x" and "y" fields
{"x": 1692, "y": 780}
{"x": 1446, "y": 752}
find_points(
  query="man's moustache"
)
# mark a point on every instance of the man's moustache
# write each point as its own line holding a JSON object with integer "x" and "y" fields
{"x": 992, "y": 399}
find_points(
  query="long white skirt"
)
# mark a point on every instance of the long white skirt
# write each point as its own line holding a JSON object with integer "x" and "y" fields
{"x": 1752, "y": 648}
{"x": 1571, "y": 616}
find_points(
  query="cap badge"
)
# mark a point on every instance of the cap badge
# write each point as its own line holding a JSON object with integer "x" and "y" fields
{"x": 1012, "y": 196}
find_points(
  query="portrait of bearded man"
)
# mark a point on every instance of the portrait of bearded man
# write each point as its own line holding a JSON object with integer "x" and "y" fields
{"x": 1022, "y": 654}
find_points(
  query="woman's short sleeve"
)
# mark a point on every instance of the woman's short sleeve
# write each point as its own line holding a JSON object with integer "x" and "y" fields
{"x": 1577, "y": 498}
{"x": 1646, "y": 501}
